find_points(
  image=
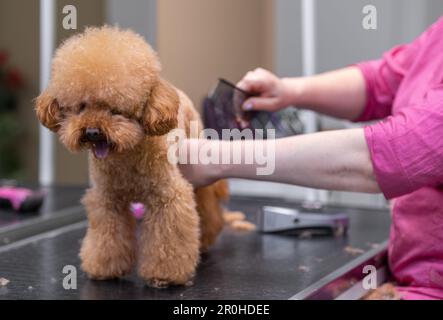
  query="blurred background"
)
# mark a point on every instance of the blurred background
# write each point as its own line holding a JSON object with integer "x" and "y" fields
{"x": 198, "y": 41}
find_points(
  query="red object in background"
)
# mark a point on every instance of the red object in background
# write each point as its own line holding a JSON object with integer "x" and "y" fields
{"x": 3, "y": 57}
{"x": 14, "y": 79}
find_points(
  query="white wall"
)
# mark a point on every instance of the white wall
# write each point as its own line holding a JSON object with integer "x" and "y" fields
{"x": 341, "y": 39}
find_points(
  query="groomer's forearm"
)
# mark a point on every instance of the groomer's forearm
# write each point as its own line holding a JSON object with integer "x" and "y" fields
{"x": 340, "y": 93}
{"x": 333, "y": 160}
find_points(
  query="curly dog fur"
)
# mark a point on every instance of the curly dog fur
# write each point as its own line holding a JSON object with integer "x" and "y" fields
{"x": 109, "y": 80}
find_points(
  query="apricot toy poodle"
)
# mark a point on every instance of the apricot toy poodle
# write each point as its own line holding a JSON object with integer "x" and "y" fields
{"x": 106, "y": 95}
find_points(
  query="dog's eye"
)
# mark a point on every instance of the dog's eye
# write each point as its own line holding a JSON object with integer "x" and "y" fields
{"x": 82, "y": 107}
{"x": 115, "y": 113}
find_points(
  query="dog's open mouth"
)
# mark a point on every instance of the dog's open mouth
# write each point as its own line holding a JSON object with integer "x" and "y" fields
{"x": 100, "y": 148}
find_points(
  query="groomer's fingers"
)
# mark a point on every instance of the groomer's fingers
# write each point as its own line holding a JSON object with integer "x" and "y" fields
{"x": 253, "y": 84}
{"x": 264, "y": 85}
{"x": 260, "y": 103}
{"x": 257, "y": 81}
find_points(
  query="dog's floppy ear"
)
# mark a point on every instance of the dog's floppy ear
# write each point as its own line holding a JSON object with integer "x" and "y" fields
{"x": 161, "y": 109}
{"x": 48, "y": 111}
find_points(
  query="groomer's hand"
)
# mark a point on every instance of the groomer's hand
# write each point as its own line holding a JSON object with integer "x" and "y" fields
{"x": 272, "y": 92}
{"x": 198, "y": 174}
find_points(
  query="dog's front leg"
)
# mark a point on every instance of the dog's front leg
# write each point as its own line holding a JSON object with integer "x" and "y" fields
{"x": 108, "y": 249}
{"x": 169, "y": 248}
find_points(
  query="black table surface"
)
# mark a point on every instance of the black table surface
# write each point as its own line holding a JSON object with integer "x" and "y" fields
{"x": 56, "y": 198}
{"x": 241, "y": 265}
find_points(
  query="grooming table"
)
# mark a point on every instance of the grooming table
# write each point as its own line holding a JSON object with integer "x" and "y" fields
{"x": 242, "y": 265}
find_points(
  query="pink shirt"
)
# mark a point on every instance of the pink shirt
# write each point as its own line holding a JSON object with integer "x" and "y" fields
{"x": 405, "y": 88}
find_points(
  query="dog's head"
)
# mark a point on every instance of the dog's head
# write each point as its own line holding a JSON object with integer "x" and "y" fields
{"x": 106, "y": 93}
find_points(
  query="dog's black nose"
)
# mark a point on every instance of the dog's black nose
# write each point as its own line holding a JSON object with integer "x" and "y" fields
{"x": 93, "y": 134}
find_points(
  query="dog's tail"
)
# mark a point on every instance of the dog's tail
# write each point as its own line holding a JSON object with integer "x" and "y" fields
{"x": 221, "y": 190}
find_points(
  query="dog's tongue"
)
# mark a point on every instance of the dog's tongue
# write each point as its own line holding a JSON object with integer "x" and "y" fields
{"x": 101, "y": 149}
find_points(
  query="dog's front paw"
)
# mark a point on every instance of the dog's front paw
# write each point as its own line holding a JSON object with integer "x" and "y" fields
{"x": 106, "y": 262}
{"x": 161, "y": 283}
{"x": 157, "y": 283}
{"x": 98, "y": 268}
{"x": 163, "y": 278}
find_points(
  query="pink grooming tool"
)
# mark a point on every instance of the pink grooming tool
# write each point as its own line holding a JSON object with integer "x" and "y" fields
{"x": 21, "y": 199}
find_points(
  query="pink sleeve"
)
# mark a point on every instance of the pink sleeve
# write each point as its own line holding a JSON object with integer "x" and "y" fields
{"x": 407, "y": 149}
{"x": 384, "y": 76}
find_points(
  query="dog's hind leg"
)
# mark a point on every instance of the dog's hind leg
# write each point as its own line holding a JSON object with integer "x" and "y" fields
{"x": 209, "y": 207}
{"x": 108, "y": 249}
{"x": 169, "y": 242}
